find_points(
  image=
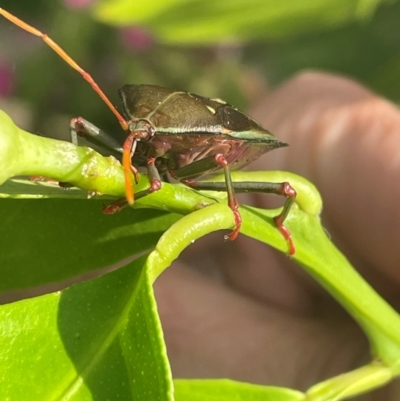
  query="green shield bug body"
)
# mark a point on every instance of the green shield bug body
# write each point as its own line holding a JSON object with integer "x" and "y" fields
{"x": 182, "y": 134}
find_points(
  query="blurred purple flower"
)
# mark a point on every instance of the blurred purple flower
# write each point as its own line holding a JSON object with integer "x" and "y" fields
{"x": 136, "y": 38}
{"x": 6, "y": 80}
{"x": 77, "y": 3}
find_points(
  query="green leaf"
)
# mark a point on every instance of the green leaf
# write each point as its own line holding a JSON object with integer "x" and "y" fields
{"x": 196, "y": 21}
{"x": 98, "y": 340}
{"x": 53, "y": 240}
{"x": 229, "y": 390}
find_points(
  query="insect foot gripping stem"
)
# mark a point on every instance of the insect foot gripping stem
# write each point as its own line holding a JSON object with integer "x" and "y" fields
{"x": 232, "y": 201}
{"x": 116, "y": 206}
{"x": 290, "y": 193}
{"x": 154, "y": 176}
{"x": 238, "y": 221}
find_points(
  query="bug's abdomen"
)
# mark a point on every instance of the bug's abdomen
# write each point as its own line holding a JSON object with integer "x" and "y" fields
{"x": 180, "y": 150}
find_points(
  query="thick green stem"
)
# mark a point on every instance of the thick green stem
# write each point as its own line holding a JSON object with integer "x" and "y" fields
{"x": 185, "y": 232}
{"x": 350, "y": 384}
{"x": 25, "y": 154}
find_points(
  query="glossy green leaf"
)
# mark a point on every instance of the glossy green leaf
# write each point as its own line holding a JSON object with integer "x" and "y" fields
{"x": 195, "y": 21}
{"x": 98, "y": 340}
{"x": 229, "y": 390}
{"x": 53, "y": 240}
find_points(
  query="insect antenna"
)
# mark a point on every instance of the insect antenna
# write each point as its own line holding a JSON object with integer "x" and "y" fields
{"x": 50, "y": 42}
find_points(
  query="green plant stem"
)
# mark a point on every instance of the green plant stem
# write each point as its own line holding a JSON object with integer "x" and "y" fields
{"x": 185, "y": 232}
{"x": 26, "y": 154}
{"x": 350, "y": 384}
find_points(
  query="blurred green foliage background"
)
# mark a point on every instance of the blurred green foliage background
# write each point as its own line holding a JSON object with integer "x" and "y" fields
{"x": 236, "y": 50}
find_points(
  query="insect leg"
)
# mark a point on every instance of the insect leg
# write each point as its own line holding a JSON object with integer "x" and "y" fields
{"x": 50, "y": 42}
{"x": 155, "y": 185}
{"x": 283, "y": 189}
{"x": 116, "y": 206}
{"x": 81, "y": 127}
{"x": 232, "y": 201}
{"x": 184, "y": 174}
{"x": 154, "y": 176}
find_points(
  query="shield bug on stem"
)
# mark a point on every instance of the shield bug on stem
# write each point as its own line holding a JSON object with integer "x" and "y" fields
{"x": 182, "y": 134}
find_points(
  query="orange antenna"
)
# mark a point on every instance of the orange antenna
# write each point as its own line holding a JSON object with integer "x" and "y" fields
{"x": 69, "y": 60}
